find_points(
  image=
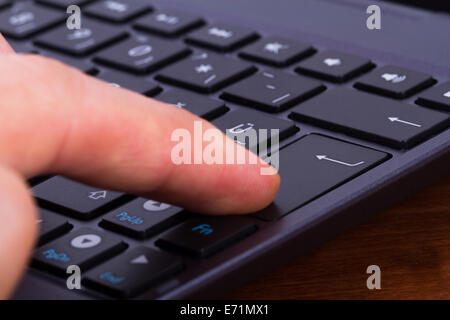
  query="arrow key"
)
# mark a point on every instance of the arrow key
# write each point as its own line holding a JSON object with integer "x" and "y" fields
{"x": 133, "y": 272}
{"x": 75, "y": 199}
{"x": 334, "y": 66}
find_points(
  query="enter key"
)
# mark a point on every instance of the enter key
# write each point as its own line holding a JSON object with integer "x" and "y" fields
{"x": 315, "y": 165}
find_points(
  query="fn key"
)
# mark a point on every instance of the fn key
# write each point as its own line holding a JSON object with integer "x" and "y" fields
{"x": 201, "y": 237}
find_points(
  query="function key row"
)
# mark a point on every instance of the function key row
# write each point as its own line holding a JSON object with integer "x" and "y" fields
{"x": 25, "y": 19}
{"x": 168, "y": 23}
{"x": 79, "y": 42}
{"x": 142, "y": 54}
{"x": 117, "y": 11}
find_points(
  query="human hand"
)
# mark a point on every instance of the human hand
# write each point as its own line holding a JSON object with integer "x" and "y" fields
{"x": 54, "y": 119}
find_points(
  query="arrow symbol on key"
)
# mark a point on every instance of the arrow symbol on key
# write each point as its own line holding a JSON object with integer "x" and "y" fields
{"x": 323, "y": 157}
{"x": 395, "y": 119}
{"x": 142, "y": 259}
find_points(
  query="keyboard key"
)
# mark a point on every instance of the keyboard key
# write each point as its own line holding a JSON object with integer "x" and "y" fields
{"x": 81, "y": 65}
{"x": 168, "y": 23}
{"x": 51, "y": 226}
{"x": 222, "y": 37}
{"x": 370, "y": 117}
{"x": 142, "y": 54}
{"x": 91, "y": 37}
{"x": 21, "y": 47}
{"x": 239, "y": 121}
{"x": 142, "y": 218}
{"x": 205, "y": 72}
{"x": 4, "y": 3}
{"x": 84, "y": 247}
{"x": 139, "y": 85}
{"x": 133, "y": 272}
{"x": 437, "y": 97}
{"x": 276, "y": 51}
{"x": 394, "y": 82}
{"x": 201, "y": 106}
{"x": 76, "y": 199}
{"x": 313, "y": 166}
{"x": 64, "y": 3}
{"x": 23, "y": 20}
{"x": 116, "y": 10}
{"x": 203, "y": 236}
{"x": 272, "y": 91}
{"x": 334, "y": 66}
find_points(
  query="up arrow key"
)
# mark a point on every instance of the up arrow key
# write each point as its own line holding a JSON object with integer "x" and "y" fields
{"x": 142, "y": 259}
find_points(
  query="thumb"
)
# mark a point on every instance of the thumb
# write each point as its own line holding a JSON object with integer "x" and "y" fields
{"x": 17, "y": 229}
{"x": 17, "y": 221}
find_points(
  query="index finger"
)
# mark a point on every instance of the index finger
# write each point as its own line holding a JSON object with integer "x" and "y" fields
{"x": 4, "y": 46}
{"x": 64, "y": 122}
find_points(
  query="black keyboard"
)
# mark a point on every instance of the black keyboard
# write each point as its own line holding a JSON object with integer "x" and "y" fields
{"x": 344, "y": 121}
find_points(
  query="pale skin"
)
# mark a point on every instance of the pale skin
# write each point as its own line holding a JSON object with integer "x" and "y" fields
{"x": 54, "y": 119}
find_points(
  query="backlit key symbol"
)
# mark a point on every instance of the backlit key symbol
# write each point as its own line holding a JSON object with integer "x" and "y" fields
{"x": 200, "y": 56}
{"x": 394, "y": 78}
{"x": 86, "y": 241}
{"x": 220, "y": 33}
{"x": 80, "y": 34}
{"x": 204, "y": 68}
{"x": 142, "y": 259}
{"x": 162, "y": 17}
{"x": 97, "y": 195}
{"x": 140, "y": 50}
{"x": 275, "y": 47}
{"x": 21, "y": 18}
{"x": 203, "y": 229}
{"x": 116, "y": 6}
{"x": 323, "y": 157}
{"x": 447, "y": 94}
{"x": 331, "y": 62}
{"x": 396, "y": 119}
{"x": 151, "y": 205}
{"x": 240, "y": 128}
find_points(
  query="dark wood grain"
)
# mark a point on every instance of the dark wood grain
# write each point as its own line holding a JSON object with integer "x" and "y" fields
{"x": 410, "y": 243}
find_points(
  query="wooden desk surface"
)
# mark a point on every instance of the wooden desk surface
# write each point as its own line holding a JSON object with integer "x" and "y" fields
{"x": 410, "y": 243}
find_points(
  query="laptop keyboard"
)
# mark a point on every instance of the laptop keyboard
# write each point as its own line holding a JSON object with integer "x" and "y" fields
{"x": 238, "y": 78}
